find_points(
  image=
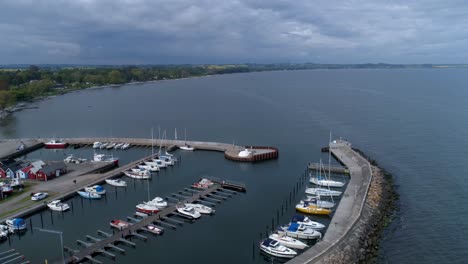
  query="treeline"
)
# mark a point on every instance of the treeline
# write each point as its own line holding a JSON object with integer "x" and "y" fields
{"x": 26, "y": 83}
{"x": 33, "y": 82}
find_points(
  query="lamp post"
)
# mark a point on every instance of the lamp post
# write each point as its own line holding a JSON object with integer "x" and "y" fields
{"x": 57, "y": 233}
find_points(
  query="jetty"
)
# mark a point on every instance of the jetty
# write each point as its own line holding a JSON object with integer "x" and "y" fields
{"x": 350, "y": 207}
{"x": 231, "y": 151}
{"x": 102, "y": 246}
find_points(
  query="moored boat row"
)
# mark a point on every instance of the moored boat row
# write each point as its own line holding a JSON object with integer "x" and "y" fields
{"x": 111, "y": 145}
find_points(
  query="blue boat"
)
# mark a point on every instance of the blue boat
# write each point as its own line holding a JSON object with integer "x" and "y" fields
{"x": 89, "y": 195}
{"x": 16, "y": 224}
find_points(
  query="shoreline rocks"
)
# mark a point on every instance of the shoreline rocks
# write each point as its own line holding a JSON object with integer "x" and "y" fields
{"x": 361, "y": 244}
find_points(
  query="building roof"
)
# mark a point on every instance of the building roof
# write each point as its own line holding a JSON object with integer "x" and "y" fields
{"x": 38, "y": 163}
{"x": 26, "y": 169}
{"x": 34, "y": 170}
{"x": 52, "y": 167}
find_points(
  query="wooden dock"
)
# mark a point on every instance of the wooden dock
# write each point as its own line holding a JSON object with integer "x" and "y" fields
{"x": 111, "y": 242}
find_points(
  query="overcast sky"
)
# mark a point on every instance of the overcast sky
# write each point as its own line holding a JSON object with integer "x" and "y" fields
{"x": 232, "y": 31}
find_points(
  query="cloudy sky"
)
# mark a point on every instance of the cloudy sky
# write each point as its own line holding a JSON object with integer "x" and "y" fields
{"x": 232, "y": 31}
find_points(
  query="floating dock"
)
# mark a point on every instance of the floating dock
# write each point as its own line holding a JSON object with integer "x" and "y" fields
{"x": 112, "y": 241}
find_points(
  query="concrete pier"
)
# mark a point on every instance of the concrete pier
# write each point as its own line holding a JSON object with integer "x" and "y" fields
{"x": 231, "y": 151}
{"x": 350, "y": 207}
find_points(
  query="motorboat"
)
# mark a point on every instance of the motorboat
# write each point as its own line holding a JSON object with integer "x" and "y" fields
{"x": 297, "y": 230}
{"x": 320, "y": 203}
{"x": 4, "y": 231}
{"x": 322, "y": 192}
{"x": 153, "y": 165}
{"x": 137, "y": 175}
{"x": 304, "y": 220}
{"x": 97, "y": 145}
{"x": 305, "y": 207}
{"x": 119, "y": 224}
{"x": 325, "y": 182}
{"x": 188, "y": 211}
{"x": 111, "y": 145}
{"x": 72, "y": 159}
{"x": 16, "y": 224}
{"x": 159, "y": 163}
{"x": 154, "y": 229}
{"x": 57, "y": 205}
{"x": 103, "y": 145}
{"x": 158, "y": 201}
{"x": 39, "y": 196}
{"x": 89, "y": 195}
{"x": 118, "y": 146}
{"x": 288, "y": 241}
{"x": 125, "y": 146}
{"x": 98, "y": 189}
{"x": 187, "y": 147}
{"x": 150, "y": 168}
{"x": 274, "y": 248}
{"x": 116, "y": 182}
{"x": 202, "y": 209}
{"x": 140, "y": 171}
{"x": 147, "y": 208}
{"x": 55, "y": 144}
{"x": 167, "y": 160}
{"x": 203, "y": 184}
{"x": 105, "y": 158}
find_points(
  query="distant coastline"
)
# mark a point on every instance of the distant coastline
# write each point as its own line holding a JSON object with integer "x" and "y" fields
{"x": 21, "y": 85}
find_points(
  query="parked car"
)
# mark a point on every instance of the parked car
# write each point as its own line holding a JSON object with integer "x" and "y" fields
{"x": 39, "y": 196}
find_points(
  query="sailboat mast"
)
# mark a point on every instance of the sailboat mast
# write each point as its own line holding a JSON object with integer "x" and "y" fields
{"x": 329, "y": 156}
{"x": 152, "y": 143}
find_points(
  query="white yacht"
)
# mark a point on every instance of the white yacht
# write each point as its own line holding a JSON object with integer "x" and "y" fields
{"x": 322, "y": 192}
{"x": 116, "y": 182}
{"x": 288, "y": 241}
{"x": 188, "y": 211}
{"x": 57, "y": 205}
{"x": 202, "y": 209}
{"x": 274, "y": 248}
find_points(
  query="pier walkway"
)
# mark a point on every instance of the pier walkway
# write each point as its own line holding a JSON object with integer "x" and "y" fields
{"x": 333, "y": 169}
{"x": 100, "y": 246}
{"x": 350, "y": 207}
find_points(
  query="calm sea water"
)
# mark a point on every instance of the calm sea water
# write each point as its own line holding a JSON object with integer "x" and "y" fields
{"x": 412, "y": 121}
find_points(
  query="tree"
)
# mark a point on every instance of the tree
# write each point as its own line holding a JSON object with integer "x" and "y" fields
{"x": 115, "y": 77}
{"x": 6, "y": 99}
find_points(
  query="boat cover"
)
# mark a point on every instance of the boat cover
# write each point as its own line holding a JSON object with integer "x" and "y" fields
{"x": 293, "y": 227}
{"x": 297, "y": 218}
{"x": 99, "y": 188}
{"x": 18, "y": 222}
{"x": 267, "y": 242}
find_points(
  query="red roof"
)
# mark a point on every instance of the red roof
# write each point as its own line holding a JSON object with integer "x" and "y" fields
{"x": 26, "y": 169}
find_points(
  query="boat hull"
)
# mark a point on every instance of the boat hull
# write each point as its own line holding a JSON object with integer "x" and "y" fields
{"x": 56, "y": 146}
{"x": 275, "y": 253}
{"x": 314, "y": 210}
{"x": 326, "y": 183}
{"x": 289, "y": 242}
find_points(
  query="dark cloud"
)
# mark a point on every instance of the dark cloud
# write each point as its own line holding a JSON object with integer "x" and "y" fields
{"x": 210, "y": 31}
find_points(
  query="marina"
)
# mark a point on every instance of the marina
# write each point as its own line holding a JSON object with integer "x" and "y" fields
{"x": 101, "y": 246}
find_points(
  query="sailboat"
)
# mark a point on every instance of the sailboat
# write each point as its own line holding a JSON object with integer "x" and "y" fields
{"x": 186, "y": 146}
{"x": 320, "y": 181}
{"x": 306, "y": 207}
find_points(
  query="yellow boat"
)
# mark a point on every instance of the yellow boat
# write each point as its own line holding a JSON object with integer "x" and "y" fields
{"x": 304, "y": 207}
